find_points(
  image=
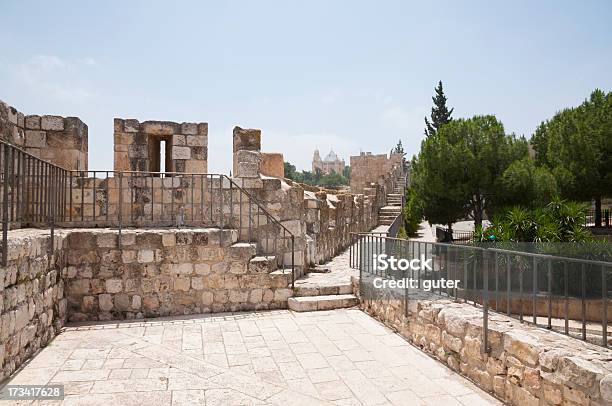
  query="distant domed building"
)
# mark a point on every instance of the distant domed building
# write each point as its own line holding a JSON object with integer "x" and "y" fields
{"x": 330, "y": 163}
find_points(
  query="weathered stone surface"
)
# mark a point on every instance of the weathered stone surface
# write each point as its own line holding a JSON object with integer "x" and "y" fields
{"x": 54, "y": 123}
{"x": 105, "y": 301}
{"x": 181, "y": 153}
{"x": 247, "y": 139}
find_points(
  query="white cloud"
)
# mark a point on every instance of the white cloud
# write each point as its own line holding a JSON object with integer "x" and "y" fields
{"x": 57, "y": 78}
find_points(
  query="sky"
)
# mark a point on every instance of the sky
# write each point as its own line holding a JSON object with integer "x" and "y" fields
{"x": 347, "y": 75}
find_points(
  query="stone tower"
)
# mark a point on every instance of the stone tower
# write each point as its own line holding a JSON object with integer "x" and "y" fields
{"x": 316, "y": 160}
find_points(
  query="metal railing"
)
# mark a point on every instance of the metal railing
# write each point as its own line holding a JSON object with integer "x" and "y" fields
{"x": 563, "y": 294}
{"x": 38, "y": 194}
{"x": 605, "y": 215}
{"x": 454, "y": 236}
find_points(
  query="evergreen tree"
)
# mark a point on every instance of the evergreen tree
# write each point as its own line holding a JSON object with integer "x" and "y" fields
{"x": 440, "y": 114}
{"x": 399, "y": 148}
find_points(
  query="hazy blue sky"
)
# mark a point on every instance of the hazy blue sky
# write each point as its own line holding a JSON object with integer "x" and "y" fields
{"x": 352, "y": 75}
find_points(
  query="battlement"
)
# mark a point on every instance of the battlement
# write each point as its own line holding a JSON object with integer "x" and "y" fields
{"x": 59, "y": 140}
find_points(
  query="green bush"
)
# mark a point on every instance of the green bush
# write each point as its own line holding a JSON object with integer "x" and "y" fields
{"x": 412, "y": 212}
{"x": 559, "y": 221}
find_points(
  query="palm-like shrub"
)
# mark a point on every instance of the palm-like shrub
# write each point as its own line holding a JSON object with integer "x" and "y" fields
{"x": 559, "y": 221}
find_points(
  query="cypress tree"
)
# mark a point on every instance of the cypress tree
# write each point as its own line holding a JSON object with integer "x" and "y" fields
{"x": 440, "y": 114}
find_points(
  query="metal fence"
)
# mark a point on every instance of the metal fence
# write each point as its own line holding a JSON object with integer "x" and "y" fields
{"x": 604, "y": 215}
{"x": 457, "y": 237}
{"x": 38, "y": 194}
{"x": 567, "y": 295}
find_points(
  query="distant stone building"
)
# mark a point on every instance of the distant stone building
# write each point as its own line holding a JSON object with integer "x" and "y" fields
{"x": 330, "y": 163}
{"x": 367, "y": 169}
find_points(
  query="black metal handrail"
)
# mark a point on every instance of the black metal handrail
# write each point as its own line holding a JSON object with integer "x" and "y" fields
{"x": 512, "y": 282}
{"x": 37, "y": 193}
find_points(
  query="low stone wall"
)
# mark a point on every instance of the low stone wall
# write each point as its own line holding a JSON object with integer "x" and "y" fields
{"x": 525, "y": 366}
{"x": 32, "y": 303}
{"x": 150, "y": 273}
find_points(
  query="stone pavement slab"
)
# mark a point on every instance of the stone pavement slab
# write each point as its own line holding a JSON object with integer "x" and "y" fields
{"x": 339, "y": 357}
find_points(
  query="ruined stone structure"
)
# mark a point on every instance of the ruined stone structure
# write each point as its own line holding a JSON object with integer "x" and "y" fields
{"x": 59, "y": 140}
{"x": 368, "y": 169}
{"x": 331, "y": 163}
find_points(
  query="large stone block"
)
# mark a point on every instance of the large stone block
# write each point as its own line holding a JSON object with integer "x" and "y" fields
{"x": 181, "y": 152}
{"x": 272, "y": 164}
{"x": 36, "y": 139}
{"x": 53, "y": 123}
{"x": 32, "y": 122}
{"x": 159, "y": 128}
{"x": 247, "y": 139}
{"x": 247, "y": 170}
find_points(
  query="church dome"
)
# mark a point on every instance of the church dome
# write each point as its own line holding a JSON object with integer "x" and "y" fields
{"x": 331, "y": 157}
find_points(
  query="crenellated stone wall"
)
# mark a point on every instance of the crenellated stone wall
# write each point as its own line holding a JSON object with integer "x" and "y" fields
{"x": 59, "y": 140}
{"x": 526, "y": 365}
{"x": 331, "y": 217}
{"x": 32, "y": 303}
{"x": 137, "y": 146}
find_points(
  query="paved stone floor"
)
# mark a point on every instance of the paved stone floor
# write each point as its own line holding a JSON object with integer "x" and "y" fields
{"x": 340, "y": 273}
{"x": 340, "y": 357}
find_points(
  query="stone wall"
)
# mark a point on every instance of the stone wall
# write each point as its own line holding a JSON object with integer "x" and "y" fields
{"x": 367, "y": 169}
{"x": 167, "y": 272}
{"x": 331, "y": 217}
{"x": 525, "y": 366}
{"x": 137, "y": 146}
{"x": 59, "y": 140}
{"x": 32, "y": 303}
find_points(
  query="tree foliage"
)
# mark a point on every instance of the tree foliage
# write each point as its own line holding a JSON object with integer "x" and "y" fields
{"x": 576, "y": 144}
{"x": 440, "y": 114}
{"x": 399, "y": 148}
{"x": 460, "y": 168}
{"x": 524, "y": 183}
{"x": 317, "y": 178}
{"x": 412, "y": 212}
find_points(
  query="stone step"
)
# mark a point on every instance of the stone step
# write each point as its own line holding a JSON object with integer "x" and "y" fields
{"x": 321, "y": 290}
{"x": 281, "y": 278}
{"x": 327, "y": 302}
{"x": 262, "y": 264}
{"x": 243, "y": 250}
{"x": 390, "y": 209}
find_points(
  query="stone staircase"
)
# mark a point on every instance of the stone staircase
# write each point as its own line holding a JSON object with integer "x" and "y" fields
{"x": 311, "y": 298}
{"x": 387, "y": 214}
{"x": 262, "y": 264}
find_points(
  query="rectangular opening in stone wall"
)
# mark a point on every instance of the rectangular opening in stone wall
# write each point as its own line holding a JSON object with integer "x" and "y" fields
{"x": 162, "y": 156}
